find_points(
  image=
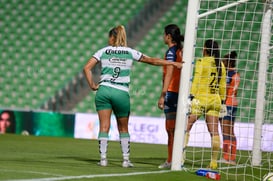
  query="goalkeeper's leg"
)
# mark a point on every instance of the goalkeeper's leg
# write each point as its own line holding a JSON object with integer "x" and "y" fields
{"x": 212, "y": 124}
{"x": 186, "y": 141}
{"x": 191, "y": 120}
{"x": 215, "y": 142}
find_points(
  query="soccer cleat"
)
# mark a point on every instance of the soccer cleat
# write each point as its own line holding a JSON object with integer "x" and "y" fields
{"x": 103, "y": 162}
{"x": 165, "y": 165}
{"x": 222, "y": 160}
{"x": 232, "y": 162}
{"x": 213, "y": 165}
{"x": 127, "y": 164}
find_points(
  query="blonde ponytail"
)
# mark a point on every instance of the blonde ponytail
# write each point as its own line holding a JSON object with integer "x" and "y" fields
{"x": 120, "y": 38}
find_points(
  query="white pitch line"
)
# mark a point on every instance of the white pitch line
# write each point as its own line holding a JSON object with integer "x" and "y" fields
{"x": 40, "y": 173}
{"x": 93, "y": 176}
{"x": 233, "y": 166}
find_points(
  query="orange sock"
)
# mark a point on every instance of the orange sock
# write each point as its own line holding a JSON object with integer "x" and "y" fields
{"x": 170, "y": 124}
{"x": 226, "y": 149}
{"x": 233, "y": 150}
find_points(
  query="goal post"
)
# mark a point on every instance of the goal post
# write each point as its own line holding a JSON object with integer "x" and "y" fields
{"x": 244, "y": 26}
{"x": 262, "y": 79}
{"x": 182, "y": 107}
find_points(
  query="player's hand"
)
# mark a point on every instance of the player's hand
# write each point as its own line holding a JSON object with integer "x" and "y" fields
{"x": 223, "y": 111}
{"x": 94, "y": 86}
{"x": 178, "y": 65}
{"x": 193, "y": 102}
{"x": 160, "y": 103}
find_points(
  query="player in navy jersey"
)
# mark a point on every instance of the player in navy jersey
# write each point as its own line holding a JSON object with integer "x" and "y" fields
{"x": 171, "y": 79}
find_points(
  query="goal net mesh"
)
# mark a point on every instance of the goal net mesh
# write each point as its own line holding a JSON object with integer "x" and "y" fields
{"x": 237, "y": 28}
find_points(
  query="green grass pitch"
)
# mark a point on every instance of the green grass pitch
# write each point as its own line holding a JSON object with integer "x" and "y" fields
{"x": 54, "y": 158}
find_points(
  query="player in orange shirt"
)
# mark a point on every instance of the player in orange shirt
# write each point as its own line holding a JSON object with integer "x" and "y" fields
{"x": 171, "y": 79}
{"x": 228, "y": 120}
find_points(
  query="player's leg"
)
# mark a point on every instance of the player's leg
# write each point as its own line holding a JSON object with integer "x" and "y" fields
{"x": 121, "y": 108}
{"x": 104, "y": 119}
{"x": 104, "y": 110}
{"x": 233, "y": 143}
{"x": 191, "y": 120}
{"x": 213, "y": 106}
{"x": 196, "y": 110}
{"x": 212, "y": 124}
{"x": 212, "y": 119}
{"x": 233, "y": 136}
{"x": 170, "y": 127}
{"x": 170, "y": 108}
{"x": 225, "y": 125}
{"x": 195, "y": 113}
{"x": 124, "y": 140}
{"x": 229, "y": 138}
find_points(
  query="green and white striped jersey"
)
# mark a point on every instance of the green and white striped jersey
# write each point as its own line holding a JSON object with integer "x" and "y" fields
{"x": 116, "y": 63}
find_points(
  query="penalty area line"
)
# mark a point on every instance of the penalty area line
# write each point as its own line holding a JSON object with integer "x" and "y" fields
{"x": 233, "y": 166}
{"x": 93, "y": 176}
{"x": 31, "y": 172}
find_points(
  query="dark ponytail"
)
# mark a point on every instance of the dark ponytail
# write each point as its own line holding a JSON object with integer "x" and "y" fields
{"x": 174, "y": 31}
{"x": 231, "y": 59}
{"x": 212, "y": 49}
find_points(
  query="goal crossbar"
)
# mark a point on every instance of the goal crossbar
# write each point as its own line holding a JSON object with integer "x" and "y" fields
{"x": 222, "y": 8}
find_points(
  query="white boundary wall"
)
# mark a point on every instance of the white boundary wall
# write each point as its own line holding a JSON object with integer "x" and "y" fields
{"x": 152, "y": 130}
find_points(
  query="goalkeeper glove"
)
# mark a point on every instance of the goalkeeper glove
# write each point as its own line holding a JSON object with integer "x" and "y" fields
{"x": 223, "y": 110}
{"x": 190, "y": 98}
{"x": 192, "y": 101}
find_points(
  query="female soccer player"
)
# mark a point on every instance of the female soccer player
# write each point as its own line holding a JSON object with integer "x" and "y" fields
{"x": 227, "y": 122}
{"x": 113, "y": 89}
{"x": 208, "y": 91}
{"x": 171, "y": 79}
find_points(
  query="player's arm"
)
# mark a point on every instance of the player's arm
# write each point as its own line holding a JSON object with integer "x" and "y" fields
{"x": 87, "y": 70}
{"x": 236, "y": 82}
{"x": 196, "y": 77}
{"x": 167, "y": 79}
{"x": 222, "y": 84}
{"x": 159, "y": 62}
{"x": 166, "y": 82}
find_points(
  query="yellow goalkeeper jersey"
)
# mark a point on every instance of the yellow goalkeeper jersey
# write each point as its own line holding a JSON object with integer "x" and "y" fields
{"x": 205, "y": 81}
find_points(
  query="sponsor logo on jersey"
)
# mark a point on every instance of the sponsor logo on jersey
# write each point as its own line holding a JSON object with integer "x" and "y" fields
{"x": 117, "y": 60}
{"x": 111, "y": 51}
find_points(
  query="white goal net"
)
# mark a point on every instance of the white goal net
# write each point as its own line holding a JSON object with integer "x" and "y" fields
{"x": 245, "y": 27}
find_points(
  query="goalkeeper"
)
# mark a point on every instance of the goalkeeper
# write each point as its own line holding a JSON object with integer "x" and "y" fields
{"x": 227, "y": 121}
{"x": 208, "y": 91}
